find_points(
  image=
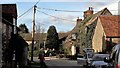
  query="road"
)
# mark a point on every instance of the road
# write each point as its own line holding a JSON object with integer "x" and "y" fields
{"x": 61, "y": 63}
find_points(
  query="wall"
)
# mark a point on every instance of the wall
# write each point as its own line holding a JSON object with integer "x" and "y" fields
{"x": 0, "y": 43}
{"x": 97, "y": 41}
{"x": 68, "y": 45}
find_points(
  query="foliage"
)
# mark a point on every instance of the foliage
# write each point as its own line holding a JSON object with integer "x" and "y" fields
{"x": 50, "y": 51}
{"x": 87, "y": 19}
{"x": 35, "y": 54}
{"x": 36, "y": 50}
{"x": 23, "y": 28}
{"x": 90, "y": 33}
{"x": 52, "y": 38}
{"x": 81, "y": 38}
{"x": 61, "y": 48}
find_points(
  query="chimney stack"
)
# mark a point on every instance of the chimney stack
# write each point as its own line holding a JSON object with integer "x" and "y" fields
{"x": 88, "y": 12}
{"x": 79, "y": 20}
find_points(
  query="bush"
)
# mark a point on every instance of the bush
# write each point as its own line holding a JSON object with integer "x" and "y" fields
{"x": 35, "y": 53}
{"x": 73, "y": 57}
{"x": 48, "y": 52}
{"x": 60, "y": 56}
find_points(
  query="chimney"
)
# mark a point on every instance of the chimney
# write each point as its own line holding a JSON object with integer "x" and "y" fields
{"x": 88, "y": 12}
{"x": 79, "y": 20}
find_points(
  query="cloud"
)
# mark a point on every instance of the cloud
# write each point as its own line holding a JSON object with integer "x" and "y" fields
{"x": 63, "y": 18}
{"x": 95, "y": 4}
{"x": 64, "y": 25}
{"x": 113, "y": 7}
{"x": 48, "y": 21}
{"x": 61, "y": 25}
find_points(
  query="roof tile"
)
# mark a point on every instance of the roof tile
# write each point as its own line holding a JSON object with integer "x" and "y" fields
{"x": 111, "y": 25}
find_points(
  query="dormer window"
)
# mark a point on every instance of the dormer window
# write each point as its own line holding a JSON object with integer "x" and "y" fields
{"x": 74, "y": 36}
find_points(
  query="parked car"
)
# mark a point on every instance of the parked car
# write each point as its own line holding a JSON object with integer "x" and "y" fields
{"x": 114, "y": 57}
{"x": 98, "y": 61}
{"x": 87, "y": 58}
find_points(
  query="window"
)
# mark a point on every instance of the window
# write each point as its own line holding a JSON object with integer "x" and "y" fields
{"x": 74, "y": 36}
{"x": 86, "y": 29}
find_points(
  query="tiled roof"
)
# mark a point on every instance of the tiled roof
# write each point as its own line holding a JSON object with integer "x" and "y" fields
{"x": 37, "y": 36}
{"x": 40, "y": 36}
{"x": 62, "y": 35}
{"x": 88, "y": 22}
{"x": 94, "y": 16}
{"x": 9, "y": 9}
{"x": 111, "y": 25}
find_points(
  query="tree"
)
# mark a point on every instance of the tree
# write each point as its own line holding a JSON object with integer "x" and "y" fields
{"x": 23, "y": 28}
{"x": 52, "y": 38}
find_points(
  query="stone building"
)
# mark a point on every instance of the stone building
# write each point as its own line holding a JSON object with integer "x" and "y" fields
{"x": 84, "y": 31}
{"x": 106, "y": 33}
{"x": 13, "y": 48}
{"x": 8, "y": 17}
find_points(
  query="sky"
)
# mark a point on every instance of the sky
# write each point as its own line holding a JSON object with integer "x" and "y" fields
{"x": 67, "y": 20}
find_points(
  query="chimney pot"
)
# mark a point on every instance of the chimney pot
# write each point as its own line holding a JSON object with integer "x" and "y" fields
{"x": 89, "y": 8}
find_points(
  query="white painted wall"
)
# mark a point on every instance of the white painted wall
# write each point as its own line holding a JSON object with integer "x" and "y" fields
{"x": 73, "y": 50}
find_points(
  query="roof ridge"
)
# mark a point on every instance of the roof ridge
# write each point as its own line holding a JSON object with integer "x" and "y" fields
{"x": 84, "y": 21}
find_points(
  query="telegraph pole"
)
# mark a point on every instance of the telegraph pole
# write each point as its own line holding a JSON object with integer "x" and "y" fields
{"x": 33, "y": 31}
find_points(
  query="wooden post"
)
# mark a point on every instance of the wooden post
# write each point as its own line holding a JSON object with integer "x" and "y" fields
{"x": 33, "y": 31}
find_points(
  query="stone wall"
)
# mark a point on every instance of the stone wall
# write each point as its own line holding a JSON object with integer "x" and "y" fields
{"x": 97, "y": 41}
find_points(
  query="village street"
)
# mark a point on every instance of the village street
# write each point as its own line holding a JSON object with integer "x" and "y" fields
{"x": 67, "y": 34}
{"x": 60, "y": 63}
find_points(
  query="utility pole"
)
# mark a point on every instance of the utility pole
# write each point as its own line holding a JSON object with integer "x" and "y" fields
{"x": 33, "y": 31}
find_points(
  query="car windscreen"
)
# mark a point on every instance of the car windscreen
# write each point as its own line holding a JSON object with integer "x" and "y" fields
{"x": 99, "y": 57}
{"x": 90, "y": 54}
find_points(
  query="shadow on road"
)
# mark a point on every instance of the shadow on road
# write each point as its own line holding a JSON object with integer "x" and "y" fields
{"x": 65, "y": 67}
{"x": 37, "y": 65}
{"x": 43, "y": 65}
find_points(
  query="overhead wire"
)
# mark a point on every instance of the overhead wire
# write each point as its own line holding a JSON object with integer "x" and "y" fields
{"x": 66, "y": 10}
{"x": 55, "y": 16}
{"x": 59, "y": 10}
{"x": 12, "y": 24}
{"x": 48, "y": 25}
{"x": 24, "y": 13}
{"x": 53, "y": 10}
{"x": 62, "y": 11}
{"x": 27, "y": 10}
{"x": 37, "y": 2}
